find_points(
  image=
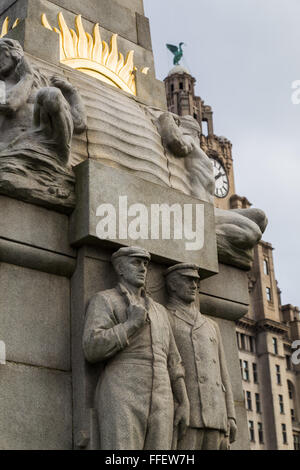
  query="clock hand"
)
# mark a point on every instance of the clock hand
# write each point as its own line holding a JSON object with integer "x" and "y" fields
{"x": 218, "y": 176}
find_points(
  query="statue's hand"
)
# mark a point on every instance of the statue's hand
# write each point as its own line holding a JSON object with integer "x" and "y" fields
{"x": 137, "y": 314}
{"x": 173, "y": 136}
{"x": 64, "y": 85}
{"x": 182, "y": 417}
{"x": 232, "y": 430}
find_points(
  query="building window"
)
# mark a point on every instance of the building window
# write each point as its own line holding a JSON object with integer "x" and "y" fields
{"x": 238, "y": 339}
{"x": 172, "y": 88}
{"x": 252, "y": 343}
{"x": 284, "y": 435}
{"x": 266, "y": 267}
{"x": 241, "y": 367}
{"x": 281, "y": 404}
{"x": 251, "y": 431}
{"x": 275, "y": 345}
{"x": 278, "y": 375}
{"x": 243, "y": 341}
{"x": 288, "y": 362}
{"x": 257, "y": 403}
{"x": 290, "y": 389}
{"x": 181, "y": 85}
{"x": 249, "y": 401}
{"x": 293, "y": 415}
{"x": 254, "y": 367}
{"x": 260, "y": 433}
{"x": 269, "y": 294}
{"x": 245, "y": 374}
{"x": 296, "y": 441}
{"x": 205, "y": 128}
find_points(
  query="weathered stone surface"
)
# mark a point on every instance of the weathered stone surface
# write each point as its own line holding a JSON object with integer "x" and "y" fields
{"x": 143, "y": 32}
{"x": 150, "y": 91}
{"x": 111, "y": 15}
{"x": 230, "y": 283}
{"x": 34, "y": 258}
{"x": 222, "y": 308}
{"x": 242, "y": 442}
{"x": 50, "y": 228}
{"x": 27, "y": 29}
{"x": 92, "y": 190}
{"x": 35, "y": 317}
{"x": 228, "y": 333}
{"x": 35, "y": 408}
{"x": 5, "y": 4}
{"x": 135, "y": 5}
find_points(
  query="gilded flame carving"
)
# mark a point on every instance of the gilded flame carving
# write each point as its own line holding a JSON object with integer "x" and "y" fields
{"x": 89, "y": 54}
{"x": 5, "y": 26}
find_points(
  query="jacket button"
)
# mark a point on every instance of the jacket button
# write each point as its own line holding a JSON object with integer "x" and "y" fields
{"x": 214, "y": 361}
{"x": 217, "y": 384}
{"x": 212, "y": 339}
{"x": 202, "y": 379}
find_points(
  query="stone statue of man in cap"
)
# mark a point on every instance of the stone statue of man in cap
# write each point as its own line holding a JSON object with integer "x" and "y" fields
{"x": 132, "y": 335}
{"x": 212, "y": 420}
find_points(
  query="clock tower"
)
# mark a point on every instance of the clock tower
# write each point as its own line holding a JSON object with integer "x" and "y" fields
{"x": 181, "y": 99}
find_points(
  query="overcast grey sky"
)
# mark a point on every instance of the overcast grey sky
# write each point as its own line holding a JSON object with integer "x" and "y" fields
{"x": 245, "y": 54}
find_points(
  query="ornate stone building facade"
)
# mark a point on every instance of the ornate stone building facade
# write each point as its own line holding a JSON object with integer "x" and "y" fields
{"x": 271, "y": 382}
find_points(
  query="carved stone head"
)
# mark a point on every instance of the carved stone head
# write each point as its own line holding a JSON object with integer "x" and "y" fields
{"x": 11, "y": 54}
{"x": 130, "y": 264}
{"x": 182, "y": 281}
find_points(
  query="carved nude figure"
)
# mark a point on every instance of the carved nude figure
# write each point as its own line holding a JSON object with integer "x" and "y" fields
{"x": 212, "y": 417}
{"x": 182, "y": 136}
{"x": 132, "y": 336}
{"x": 238, "y": 230}
{"x": 38, "y": 113}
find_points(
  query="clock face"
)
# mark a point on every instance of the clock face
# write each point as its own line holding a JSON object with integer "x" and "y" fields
{"x": 221, "y": 179}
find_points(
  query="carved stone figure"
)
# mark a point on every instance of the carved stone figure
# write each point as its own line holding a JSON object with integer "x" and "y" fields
{"x": 182, "y": 136}
{"x": 238, "y": 230}
{"x": 132, "y": 335}
{"x": 37, "y": 119}
{"x": 212, "y": 418}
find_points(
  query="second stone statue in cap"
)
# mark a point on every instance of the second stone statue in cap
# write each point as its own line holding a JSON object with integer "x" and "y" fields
{"x": 212, "y": 419}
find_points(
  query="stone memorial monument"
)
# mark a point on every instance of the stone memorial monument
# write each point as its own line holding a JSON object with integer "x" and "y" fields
{"x": 93, "y": 169}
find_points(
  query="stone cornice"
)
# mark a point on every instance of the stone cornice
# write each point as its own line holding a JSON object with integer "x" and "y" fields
{"x": 271, "y": 325}
{"x": 247, "y": 324}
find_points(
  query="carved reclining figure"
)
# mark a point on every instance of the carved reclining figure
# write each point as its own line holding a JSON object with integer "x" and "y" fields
{"x": 238, "y": 230}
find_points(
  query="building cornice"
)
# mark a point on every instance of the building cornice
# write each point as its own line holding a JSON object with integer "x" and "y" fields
{"x": 246, "y": 324}
{"x": 271, "y": 325}
{"x": 264, "y": 325}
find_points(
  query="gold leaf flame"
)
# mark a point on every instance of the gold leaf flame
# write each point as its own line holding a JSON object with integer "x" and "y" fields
{"x": 82, "y": 48}
{"x": 112, "y": 60}
{"x": 67, "y": 40}
{"x": 97, "y": 49}
{"x": 5, "y": 26}
{"x": 125, "y": 72}
{"x": 89, "y": 54}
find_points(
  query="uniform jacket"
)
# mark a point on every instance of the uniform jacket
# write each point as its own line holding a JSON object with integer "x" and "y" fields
{"x": 134, "y": 394}
{"x": 207, "y": 380}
